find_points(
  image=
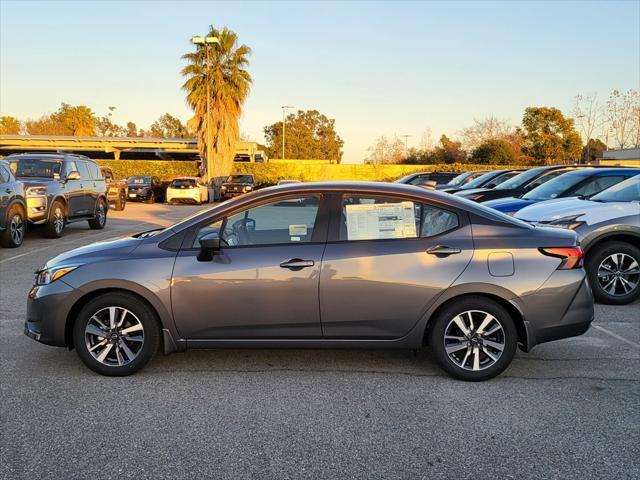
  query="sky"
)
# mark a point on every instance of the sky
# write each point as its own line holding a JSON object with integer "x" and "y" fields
{"x": 377, "y": 68}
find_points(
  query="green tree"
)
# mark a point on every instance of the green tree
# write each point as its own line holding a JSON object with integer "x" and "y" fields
{"x": 309, "y": 134}
{"x": 10, "y": 126}
{"x": 592, "y": 150}
{"x": 68, "y": 120}
{"x": 549, "y": 137}
{"x": 494, "y": 152}
{"x": 229, "y": 84}
{"x": 168, "y": 126}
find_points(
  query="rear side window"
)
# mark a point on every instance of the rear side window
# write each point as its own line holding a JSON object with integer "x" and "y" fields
{"x": 381, "y": 218}
{"x": 83, "y": 169}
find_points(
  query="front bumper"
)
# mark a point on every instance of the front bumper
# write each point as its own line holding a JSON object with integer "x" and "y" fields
{"x": 562, "y": 308}
{"x": 133, "y": 196}
{"x": 37, "y": 208}
{"x": 47, "y": 310}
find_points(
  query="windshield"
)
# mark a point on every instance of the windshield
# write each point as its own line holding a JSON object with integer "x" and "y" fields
{"x": 240, "y": 179}
{"x": 183, "y": 183}
{"x": 481, "y": 180}
{"x": 519, "y": 180}
{"x": 555, "y": 187}
{"x": 139, "y": 180}
{"x": 626, "y": 191}
{"x": 36, "y": 167}
{"x": 459, "y": 180}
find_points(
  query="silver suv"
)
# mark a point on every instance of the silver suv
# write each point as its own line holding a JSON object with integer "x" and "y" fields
{"x": 61, "y": 188}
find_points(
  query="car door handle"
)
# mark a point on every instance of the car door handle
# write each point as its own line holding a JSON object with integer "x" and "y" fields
{"x": 297, "y": 264}
{"x": 443, "y": 250}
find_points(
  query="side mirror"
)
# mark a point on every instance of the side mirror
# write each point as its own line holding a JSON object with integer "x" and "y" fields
{"x": 210, "y": 242}
{"x": 250, "y": 224}
{"x": 74, "y": 175}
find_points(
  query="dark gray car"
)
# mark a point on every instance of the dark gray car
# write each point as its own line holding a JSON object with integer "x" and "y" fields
{"x": 608, "y": 227}
{"x": 13, "y": 208}
{"x": 61, "y": 188}
{"x": 335, "y": 265}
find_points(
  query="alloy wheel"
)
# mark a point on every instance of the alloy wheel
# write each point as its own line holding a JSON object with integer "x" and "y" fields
{"x": 474, "y": 340}
{"x": 58, "y": 220}
{"x": 114, "y": 336}
{"x": 16, "y": 229}
{"x": 101, "y": 214}
{"x": 619, "y": 274}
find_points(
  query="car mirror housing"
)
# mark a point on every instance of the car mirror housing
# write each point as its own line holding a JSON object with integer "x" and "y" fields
{"x": 74, "y": 175}
{"x": 210, "y": 242}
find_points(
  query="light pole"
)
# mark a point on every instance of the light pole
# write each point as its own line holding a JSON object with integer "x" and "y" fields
{"x": 284, "y": 125}
{"x": 406, "y": 146}
{"x": 207, "y": 43}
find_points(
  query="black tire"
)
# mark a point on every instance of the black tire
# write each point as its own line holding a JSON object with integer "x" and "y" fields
{"x": 121, "y": 202}
{"x": 142, "y": 314}
{"x": 57, "y": 221}
{"x": 495, "y": 361}
{"x": 598, "y": 259}
{"x": 16, "y": 227}
{"x": 151, "y": 199}
{"x": 100, "y": 220}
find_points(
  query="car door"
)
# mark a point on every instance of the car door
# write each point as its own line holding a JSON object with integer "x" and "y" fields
{"x": 263, "y": 283}
{"x": 387, "y": 259}
{"x": 6, "y": 192}
{"x": 74, "y": 192}
{"x": 87, "y": 184}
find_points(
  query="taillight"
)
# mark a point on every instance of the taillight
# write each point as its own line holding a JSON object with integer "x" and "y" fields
{"x": 571, "y": 256}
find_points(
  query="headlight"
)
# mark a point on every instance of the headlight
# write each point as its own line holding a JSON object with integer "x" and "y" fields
{"x": 570, "y": 223}
{"x": 223, "y": 187}
{"x": 247, "y": 188}
{"x": 48, "y": 275}
{"x": 36, "y": 191}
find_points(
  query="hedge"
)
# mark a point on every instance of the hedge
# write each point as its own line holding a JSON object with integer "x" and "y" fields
{"x": 270, "y": 173}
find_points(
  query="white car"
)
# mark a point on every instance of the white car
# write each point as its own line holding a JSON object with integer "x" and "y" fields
{"x": 187, "y": 190}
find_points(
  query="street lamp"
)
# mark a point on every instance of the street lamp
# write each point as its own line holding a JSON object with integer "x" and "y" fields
{"x": 207, "y": 43}
{"x": 406, "y": 146}
{"x": 284, "y": 125}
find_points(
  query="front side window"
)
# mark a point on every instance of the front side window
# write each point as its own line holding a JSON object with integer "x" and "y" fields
{"x": 380, "y": 218}
{"x": 83, "y": 170}
{"x": 4, "y": 175}
{"x": 290, "y": 220}
{"x": 70, "y": 167}
{"x": 598, "y": 184}
{"x": 627, "y": 191}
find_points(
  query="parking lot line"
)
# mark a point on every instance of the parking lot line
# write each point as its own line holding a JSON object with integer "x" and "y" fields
{"x": 618, "y": 337}
{"x": 15, "y": 257}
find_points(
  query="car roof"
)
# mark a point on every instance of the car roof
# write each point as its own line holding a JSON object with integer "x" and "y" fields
{"x": 588, "y": 172}
{"x": 49, "y": 156}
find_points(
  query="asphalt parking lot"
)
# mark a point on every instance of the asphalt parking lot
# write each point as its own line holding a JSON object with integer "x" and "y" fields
{"x": 569, "y": 409}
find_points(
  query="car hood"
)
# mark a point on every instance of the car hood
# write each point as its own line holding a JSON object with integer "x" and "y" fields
{"x": 509, "y": 204}
{"x": 586, "y": 210}
{"x": 107, "y": 250}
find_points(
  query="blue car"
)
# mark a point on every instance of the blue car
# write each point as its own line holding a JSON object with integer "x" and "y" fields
{"x": 576, "y": 183}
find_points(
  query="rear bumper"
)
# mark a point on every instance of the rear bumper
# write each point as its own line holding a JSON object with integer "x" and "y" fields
{"x": 562, "y": 308}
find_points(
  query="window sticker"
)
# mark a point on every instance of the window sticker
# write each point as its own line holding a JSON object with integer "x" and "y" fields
{"x": 298, "y": 230}
{"x": 381, "y": 220}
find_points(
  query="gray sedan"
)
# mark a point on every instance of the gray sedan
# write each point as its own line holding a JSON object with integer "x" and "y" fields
{"x": 320, "y": 265}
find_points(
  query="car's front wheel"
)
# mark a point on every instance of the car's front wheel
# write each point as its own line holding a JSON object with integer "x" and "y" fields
{"x": 614, "y": 272}
{"x": 56, "y": 222}
{"x": 13, "y": 235}
{"x": 116, "y": 334}
{"x": 473, "y": 339}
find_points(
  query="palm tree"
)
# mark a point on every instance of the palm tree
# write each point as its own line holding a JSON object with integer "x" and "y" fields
{"x": 229, "y": 84}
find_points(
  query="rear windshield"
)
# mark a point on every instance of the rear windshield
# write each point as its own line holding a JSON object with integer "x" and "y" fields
{"x": 36, "y": 167}
{"x": 139, "y": 180}
{"x": 240, "y": 179}
{"x": 626, "y": 191}
{"x": 183, "y": 183}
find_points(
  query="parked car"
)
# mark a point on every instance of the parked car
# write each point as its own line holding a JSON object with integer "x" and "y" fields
{"x": 61, "y": 188}
{"x": 13, "y": 208}
{"x": 420, "y": 178}
{"x": 187, "y": 190}
{"x": 575, "y": 183}
{"x": 378, "y": 265}
{"x": 608, "y": 227}
{"x": 145, "y": 188}
{"x": 487, "y": 180}
{"x": 116, "y": 189}
{"x": 237, "y": 185}
{"x": 461, "y": 179}
{"x": 518, "y": 185}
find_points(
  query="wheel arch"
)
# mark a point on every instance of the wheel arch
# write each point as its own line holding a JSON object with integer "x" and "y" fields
{"x": 504, "y": 299}
{"x": 614, "y": 236}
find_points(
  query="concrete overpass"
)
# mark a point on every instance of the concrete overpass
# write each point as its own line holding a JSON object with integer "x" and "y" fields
{"x": 146, "y": 148}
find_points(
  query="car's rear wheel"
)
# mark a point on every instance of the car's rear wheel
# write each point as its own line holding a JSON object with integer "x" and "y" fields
{"x": 13, "y": 235}
{"x": 121, "y": 202}
{"x": 614, "y": 272}
{"x": 54, "y": 227}
{"x": 116, "y": 334}
{"x": 100, "y": 220}
{"x": 473, "y": 339}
